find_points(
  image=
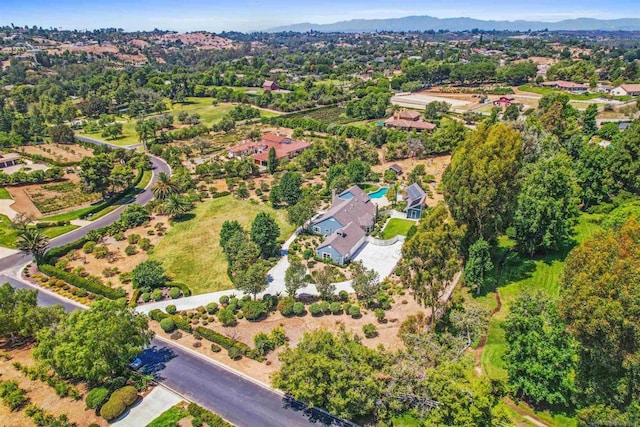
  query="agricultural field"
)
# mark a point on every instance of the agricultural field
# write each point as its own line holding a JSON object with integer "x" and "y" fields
{"x": 58, "y": 153}
{"x": 59, "y": 196}
{"x": 329, "y": 115}
{"x": 209, "y": 115}
{"x": 191, "y": 252}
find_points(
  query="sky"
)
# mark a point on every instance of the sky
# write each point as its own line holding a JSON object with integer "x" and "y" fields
{"x": 252, "y": 15}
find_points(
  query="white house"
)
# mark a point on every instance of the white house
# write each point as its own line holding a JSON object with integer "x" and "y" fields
{"x": 626, "y": 90}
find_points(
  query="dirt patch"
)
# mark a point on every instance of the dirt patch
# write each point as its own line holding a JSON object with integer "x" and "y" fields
{"x": 63, "y": 153}
{"x": 23, "y": 203}
{"x": 41, "y": 395}
{"x": 118, "y": 258}
{"x": 295, "y": 327}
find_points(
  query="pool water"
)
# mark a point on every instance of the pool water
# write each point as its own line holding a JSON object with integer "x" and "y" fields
{"x": 379, "y": 193}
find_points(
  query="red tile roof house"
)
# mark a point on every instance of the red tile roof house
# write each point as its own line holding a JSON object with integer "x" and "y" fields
{"x": 408, "y": 119}
{"x": 504, "y": 101}
{"x": 270, "y": 85}
{"x": 566, "y": 86}
{"x": 286, "y": 148}
{"x": 345, "y": 225}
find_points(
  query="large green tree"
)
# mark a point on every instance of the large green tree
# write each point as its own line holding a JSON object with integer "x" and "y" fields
{"x": 254, "y": 279}
{"x": 625, "y": 158}
{"x": 478, "y": 266}
{"x": 265, "y": 233}
{"x": 336, "y": 373}
{"x": 164, "y": 186}
{"x": 294, "y": 277}
{"x": 540, "y": 356}
{"x": 480, "y": 185}
{"x": 148, "y": 275}
{"x": 366, "y": 282}
{"x": 290, "y": 188}
{"x": 95, "y": 173}
{"x": 547, "y": 207}
{"x": 599, "y": 300}
{"x": 21, "y": 317}
{"x": 431, "y": 258}
{"x": 96, "y": 344}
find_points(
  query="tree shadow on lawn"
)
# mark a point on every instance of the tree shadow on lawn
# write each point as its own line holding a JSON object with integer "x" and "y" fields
{"x": 184, "y": 218}
{"x": 155, "y": 359}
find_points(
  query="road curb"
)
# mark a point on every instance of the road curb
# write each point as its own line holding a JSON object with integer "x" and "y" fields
{"x": 221, "y": 365}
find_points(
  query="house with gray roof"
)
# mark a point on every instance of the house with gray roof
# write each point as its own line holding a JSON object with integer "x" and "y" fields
{"x": 415, "y": 199}
{"x": 350, "y": 218}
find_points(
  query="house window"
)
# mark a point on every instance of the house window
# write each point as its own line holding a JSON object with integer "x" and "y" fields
{"x": 316, "y": 230}
{"x": 326, "y": 255}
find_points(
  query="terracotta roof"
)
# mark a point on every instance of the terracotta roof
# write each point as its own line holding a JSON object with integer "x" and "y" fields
{"x": 344, "y": 239}
{"x": 409, "y": 124}
{"x": 631, "y": 88}
{"x": 283, "y": 145}
{"x": 409, "y": 115}
{"x": 282, "y": 150}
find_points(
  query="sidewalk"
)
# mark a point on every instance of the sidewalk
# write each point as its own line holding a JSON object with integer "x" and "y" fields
{"x": 148, "y": 409}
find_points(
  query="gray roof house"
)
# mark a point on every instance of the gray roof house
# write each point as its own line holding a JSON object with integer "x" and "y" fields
{"x": 415, "y": 199}
{"x": 351, "y": 216}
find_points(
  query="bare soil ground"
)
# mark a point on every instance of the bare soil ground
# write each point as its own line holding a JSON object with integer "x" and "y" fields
{"x": 64, "y": 153}
{"x": 295, "y": 327}
{"x": 41, "y": 395}
{"x": 119, "y": 259}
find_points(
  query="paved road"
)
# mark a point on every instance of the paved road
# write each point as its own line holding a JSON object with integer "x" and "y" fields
{"x": 237, "y": 399}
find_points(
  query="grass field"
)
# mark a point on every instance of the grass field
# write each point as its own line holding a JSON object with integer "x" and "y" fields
{"x": 582, "y": 97}
{"x": 209, "y": 114}
{"x": 4, "y": 194}
{"x": 396, "y": 227}
{"x": 520, "y": 274}
{"x": 8, "y": 234}
{"x": 58, "y": 231}
{"x": 170, "y": 417}
{"x": 190, "y": 251}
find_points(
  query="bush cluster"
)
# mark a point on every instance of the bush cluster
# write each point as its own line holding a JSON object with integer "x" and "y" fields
{"x": 40, "y": 373}
{"x": 96, "y": 397}
{"x": 224, "y": 341}
{"x": 82, "y": 283}
{"x": 12, "y": 395}
{"x": 118, "y": 402}
{"x": 181, "y": 323}
{"x": 203, "y": 416}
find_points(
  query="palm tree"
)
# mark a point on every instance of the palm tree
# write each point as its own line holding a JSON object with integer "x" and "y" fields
{"x": 31, "y": 241}
{"x": 176, "y": 205}
{"x": 164, "y": 187}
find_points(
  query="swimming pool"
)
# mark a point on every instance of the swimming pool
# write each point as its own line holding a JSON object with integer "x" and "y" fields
{"x": 379, "y": 193}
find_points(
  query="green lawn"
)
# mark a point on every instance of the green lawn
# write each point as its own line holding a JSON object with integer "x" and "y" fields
{"x": 397, "y": 227}
{"x": 191, "y": 251}
{"x": 209, "y": 114}
{"x": 58, "y": 231}
{"x": 170, "y": 417}
{"x": 520, "y": 274}
{"x": 4, "y": 194}
{"x": 8, "y": 234}
{"x": 540, "y": 90}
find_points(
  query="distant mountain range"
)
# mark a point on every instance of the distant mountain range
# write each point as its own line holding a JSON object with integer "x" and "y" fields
{"x": 425, "y": 23}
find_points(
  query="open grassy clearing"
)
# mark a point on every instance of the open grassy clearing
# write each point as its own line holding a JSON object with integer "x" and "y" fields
{"x": 191, "y": 251}
{"x": 209, "y": 115}
{"x": 396, "y": 227}
{"x": 54, "y": 232}
{"x": 8, "y": 234}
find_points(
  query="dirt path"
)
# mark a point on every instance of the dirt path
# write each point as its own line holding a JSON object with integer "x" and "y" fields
{"x": 23, "y": 204}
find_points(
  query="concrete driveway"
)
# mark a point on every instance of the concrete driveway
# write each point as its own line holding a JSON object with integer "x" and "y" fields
{"x": 148, "y": 409}
{"x": 382, "y": 259}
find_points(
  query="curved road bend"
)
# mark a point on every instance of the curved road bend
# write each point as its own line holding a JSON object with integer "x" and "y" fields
{"x": 238, "y": 400}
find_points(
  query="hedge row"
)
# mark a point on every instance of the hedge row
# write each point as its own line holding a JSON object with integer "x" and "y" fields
{"x": 184, "y": 288}
{"x": 220, "y": 194}
{"x": 49, "y": 224}
{"x": 181, "y": 323}
{"x": 206, "y": 416}
{"x": 60, "y": 251}
{"x": 82, "y": 283}
{"x": 224, "y": 341}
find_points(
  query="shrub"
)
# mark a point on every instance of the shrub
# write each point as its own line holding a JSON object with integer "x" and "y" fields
{"x": 157, "y": 295}
{"x": 215, "y": 348}
{"x": 315, "y": 309}
{"x": 119, "y": 236}
{"x": 96, "y": 397}
{"x": 125, "y": 277}
{"x": 101, "y": 251}
{"x": 212, "y": 307}
{"x": 110, "y": 271}
{"x": 325, "y": 307}
{"x": 335, "y": 307}
{"x": 224, "y": 299}
{"x": 88, "y": 247}
{"x": 262, "y": 343}
{"x": 93, "y": 286}
{"x": 148, "y": 275}
{"x": 343, "y": 295}
{"x": 174, "y": 293}
{"x": 379, "y": 313}
{"x": 234, "y": 353}
{"x": 354, "y": 311}
{"x": 253, "y": 310}
{"x": 168, "y": 325}
{"x": 112, "y": 409}
{"x": 133, "y": 239}
{"x": 370, "y": 330}
{"x": 176, "y": 335}
{"x": 12, "y": 395}
{"x": 226, "y": 317}
{"x": 145, "y": 297}
{"x": 130, "y": 250}
{"x": 127, "y": 395}
{"x": 145, "y": 244}
{"x": 278, "y": 336}
{"x": 171, "y": 309}
{"x": 285, "y": 306}
{"x": 298, "y": 309}
{"x": 222, "y": 340}
{"x": 307, "y": 253}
